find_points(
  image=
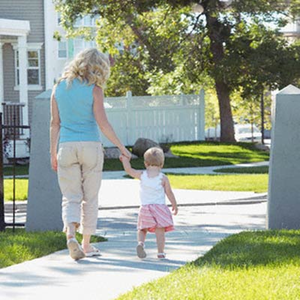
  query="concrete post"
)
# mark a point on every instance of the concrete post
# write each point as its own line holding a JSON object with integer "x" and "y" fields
{"x": 44, "y": 196}
{"x": 284, "y": 187}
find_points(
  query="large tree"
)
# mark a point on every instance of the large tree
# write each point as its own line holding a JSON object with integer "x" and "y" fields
{"x": 189, "y": 41}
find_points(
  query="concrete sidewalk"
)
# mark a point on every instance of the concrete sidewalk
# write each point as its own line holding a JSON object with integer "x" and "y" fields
{"x": 122, "y": 193}
{"x": 118, "y": 270}
{"x": 119, "y": 192}
{"x": 205, "y": 217}
{"x": 116, "y": 192}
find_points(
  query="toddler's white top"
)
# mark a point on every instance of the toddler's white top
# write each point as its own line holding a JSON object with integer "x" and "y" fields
{"x": 151, "y": 189}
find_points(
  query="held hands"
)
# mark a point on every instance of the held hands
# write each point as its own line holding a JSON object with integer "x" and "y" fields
{"x": 124, "y": 159}
{"x": 126, "y": 153}
{"x": 128, "y": 169}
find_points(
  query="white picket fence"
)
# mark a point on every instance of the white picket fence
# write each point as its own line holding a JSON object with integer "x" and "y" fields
{"x": 159, "y": 118}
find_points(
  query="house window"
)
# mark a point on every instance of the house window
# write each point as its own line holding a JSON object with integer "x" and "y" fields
{"x": 81, "y": 44}
{"x": 86, "y": 21}
{"x": 33, "y": 68}
{"x": 62, "y": 49}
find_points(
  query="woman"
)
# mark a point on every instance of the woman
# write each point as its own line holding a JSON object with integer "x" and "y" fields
{"x": 77, "y": 113}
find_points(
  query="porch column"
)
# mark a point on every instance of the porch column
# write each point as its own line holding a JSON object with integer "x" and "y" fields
{"x": 1, "y": 77}
{"x": 22, "y": 48}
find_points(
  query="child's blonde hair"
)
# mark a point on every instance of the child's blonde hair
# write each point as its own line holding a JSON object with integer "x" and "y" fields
{"x": 89, "y": 66}
{"x": 154, "y": 157}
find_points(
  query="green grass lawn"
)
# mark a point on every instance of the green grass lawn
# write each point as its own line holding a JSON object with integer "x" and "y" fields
{"x": 190, "y": 155}
{"x": 245, "y": 170}
{"x": 250, "y": 266}
{"x": 214, "y": 154}
{"x": 22, "y": 246}
{"x": 19, "y": 170}
{"x": 201, "y": 154}
{"x": 21, "y": 190}
{"x": 257, "y": 183}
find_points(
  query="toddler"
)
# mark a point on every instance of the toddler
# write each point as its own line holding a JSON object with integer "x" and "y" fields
{"x": 154, "y": 214}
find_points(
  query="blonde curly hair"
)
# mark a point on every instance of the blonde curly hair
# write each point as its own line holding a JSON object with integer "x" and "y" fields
{"x": 154, "y": 157}
{"x": 89, "y": 66}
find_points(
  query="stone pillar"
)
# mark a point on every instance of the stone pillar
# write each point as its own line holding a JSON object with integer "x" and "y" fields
{"x": 22, "y": 48}
{"x": 284, "y": 173}
{"x": 44, "y": 196}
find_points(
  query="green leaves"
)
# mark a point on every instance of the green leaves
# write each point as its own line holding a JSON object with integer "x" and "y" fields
{"x": 163, "y": 47}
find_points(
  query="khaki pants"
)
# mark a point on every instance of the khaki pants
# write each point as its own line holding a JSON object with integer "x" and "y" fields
{"x": 79, "y": 176}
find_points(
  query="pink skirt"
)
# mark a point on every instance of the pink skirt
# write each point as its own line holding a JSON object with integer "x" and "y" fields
{"x": 154, "y": 216}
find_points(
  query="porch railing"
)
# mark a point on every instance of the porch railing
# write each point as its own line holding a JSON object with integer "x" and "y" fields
{"x": 13, "y": 116}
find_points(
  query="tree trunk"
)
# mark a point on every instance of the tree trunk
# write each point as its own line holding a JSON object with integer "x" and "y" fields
{"x": 215, "y": 32}
{"x": 227, "y": 128}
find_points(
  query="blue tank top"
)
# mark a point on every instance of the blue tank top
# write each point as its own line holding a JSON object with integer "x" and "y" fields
{"x": 75, "y": 106}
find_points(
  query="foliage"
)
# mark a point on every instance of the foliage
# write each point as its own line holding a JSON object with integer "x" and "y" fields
{"x": 167, "y": 46}
{"x": 262, "y": 57}
{"x": 127, "y": 67}
{"x": 247, "y": 108}
{"x": 212, "y": 116}
{"x": 250, "y": 265}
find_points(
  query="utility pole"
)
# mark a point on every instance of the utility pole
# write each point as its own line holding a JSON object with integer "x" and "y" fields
{"x": 262, "y": 115}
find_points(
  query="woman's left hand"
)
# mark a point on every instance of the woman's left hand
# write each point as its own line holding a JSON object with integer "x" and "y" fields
{"x": 54, "y": 162}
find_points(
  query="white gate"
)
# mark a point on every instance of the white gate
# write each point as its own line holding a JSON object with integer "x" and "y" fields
{"x": 159, "y": 118}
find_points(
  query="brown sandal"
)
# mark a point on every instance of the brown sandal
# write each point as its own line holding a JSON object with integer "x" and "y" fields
{"x": 141, "y": 253}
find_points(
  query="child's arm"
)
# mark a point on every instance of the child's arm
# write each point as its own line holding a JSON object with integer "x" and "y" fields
{"x": 170, "y": 194}
{"x": 129, "y": 170}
